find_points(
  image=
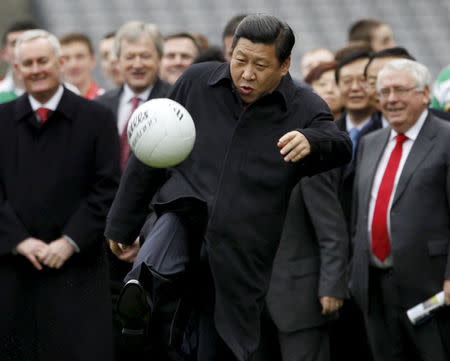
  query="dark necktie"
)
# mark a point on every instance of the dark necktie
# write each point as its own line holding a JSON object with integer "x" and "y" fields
{"x": 354, "y": 136}
{"x": 380, "y": 234}
{"x": 43, "y": 114}
{"x": 124, "y": 146}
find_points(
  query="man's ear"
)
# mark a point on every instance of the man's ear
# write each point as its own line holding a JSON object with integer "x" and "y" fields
{"x": 285, "y": 66}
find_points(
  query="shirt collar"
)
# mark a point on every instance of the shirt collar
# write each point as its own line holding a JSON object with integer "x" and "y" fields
{"x": 413, "y": 132}
{"x": 128, "y": 94}
{"x": 51, "y": 104}
{"x": 350, "y": 125}
{"x": 222, "y": 74}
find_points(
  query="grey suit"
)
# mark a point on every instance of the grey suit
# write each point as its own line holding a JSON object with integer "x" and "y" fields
{"x": 419, "y": 221}
{"x": 310, "y": 263}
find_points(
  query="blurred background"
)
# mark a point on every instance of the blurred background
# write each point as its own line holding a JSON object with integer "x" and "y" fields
{"x": 422, "y": 26}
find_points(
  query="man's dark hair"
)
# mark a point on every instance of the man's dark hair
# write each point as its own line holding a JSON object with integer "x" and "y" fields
{"x": 395, "y": 52}
{"x": 350, "y": 58}
{"x": 213, "y": 53}
{"x": 18, "y": 26}
{"x": 77, "y": 38}
{"x": 232, "y": 24}
{"x": 109, "y": 35}
{"x": 185, "y": 35}
{"x": 351, "y": 48}
{"x": 363, "y": 29}
{"x": 267, "y": 29}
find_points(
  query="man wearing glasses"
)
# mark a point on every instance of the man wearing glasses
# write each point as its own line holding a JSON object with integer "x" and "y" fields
{"x": 400, "y": 255}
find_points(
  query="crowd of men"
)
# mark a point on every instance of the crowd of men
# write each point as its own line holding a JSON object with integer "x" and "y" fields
{"x": 312, "y": 213}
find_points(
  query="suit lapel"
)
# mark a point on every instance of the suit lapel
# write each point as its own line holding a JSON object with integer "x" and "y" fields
{"x": 420, "y": 149}
{"x": 369, "y": 163}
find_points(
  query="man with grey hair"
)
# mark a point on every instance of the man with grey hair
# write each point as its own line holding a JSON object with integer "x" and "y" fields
{"x": 58, "y": 175}
{"x": 139, "y": 48}
{"x": 400, "y": 256}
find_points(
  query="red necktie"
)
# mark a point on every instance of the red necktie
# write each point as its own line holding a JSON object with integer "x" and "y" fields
{"x": 42, "y": 114}
{"x": 124, "y": 146}
{"x": 380, "y": 236}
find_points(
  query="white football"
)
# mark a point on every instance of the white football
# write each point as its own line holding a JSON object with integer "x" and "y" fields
{"x": 161, "y": 133}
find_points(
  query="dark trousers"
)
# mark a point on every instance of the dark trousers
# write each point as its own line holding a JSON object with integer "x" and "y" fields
{"x": 172, "y": 266}
{"x": 391, "y": 335}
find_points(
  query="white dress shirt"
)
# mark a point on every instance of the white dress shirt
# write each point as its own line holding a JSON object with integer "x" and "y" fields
{"x": 349, "y": 124}
{"x": 51, "y": 104}
{"x": 412, "y": 134}
{"x": 125, "y": 105}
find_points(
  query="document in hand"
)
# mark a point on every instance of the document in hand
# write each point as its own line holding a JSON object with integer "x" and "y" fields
{"x": 423, "y": 310}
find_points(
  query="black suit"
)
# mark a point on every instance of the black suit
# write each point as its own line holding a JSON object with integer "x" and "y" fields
{"x": 56, "y": 178}
{"x": 311, "y": 262}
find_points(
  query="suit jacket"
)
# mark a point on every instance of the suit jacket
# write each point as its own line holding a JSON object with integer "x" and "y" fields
{"x": 346, "y": 174}
{"x": 311, "y": 260}
{"x": 419, "y": 217}
{"x": 112, "y": 97}
{"x": 56, "y": 178}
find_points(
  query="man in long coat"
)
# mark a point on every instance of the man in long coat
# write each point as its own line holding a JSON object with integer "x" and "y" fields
{"x": 246, "y": 114}
{"x": 59, "y": 170}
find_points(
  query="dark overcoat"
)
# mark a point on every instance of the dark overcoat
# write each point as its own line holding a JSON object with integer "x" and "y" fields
{"x": 56, "y": 178}
{"x": 237, "y": 170}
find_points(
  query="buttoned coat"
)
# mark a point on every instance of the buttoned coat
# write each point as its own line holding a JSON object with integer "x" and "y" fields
{"x": 56, "y": 178}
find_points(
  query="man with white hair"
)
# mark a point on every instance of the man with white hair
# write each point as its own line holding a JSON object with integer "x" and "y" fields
{"x": 59, "y": 157}
{"x": 400, "y": 255}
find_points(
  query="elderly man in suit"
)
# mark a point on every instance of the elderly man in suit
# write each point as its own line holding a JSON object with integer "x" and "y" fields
{"x": 402, "y": 218}
{"x": 59, "y": 170}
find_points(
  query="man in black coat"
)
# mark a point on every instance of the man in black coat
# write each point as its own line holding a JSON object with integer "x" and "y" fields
{"x": 59, "y": 170}
{"x": 257, "y": 135}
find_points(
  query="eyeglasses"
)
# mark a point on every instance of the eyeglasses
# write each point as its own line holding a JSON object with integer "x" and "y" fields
{"x": 400, "y": 91}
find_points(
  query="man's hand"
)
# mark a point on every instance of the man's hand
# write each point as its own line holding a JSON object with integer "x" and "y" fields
{"x": 31, "y": 248}
{"x": 447, "y": 292}
{"x": 57, "y": 253}
{"x": 330, "y": 304}
{"x": 123, "y": 251}
{"x": 294, "y": 146}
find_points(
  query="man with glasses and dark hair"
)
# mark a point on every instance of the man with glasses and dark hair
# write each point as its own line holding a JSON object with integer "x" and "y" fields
{"x": 222, "y": 209}
{"x": 400, "y": 255}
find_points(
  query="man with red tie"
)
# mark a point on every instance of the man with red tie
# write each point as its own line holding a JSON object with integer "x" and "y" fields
{"x": 402, "y": 218}
{"x": 139, "y": 48}
{"x": 59, "y": 170}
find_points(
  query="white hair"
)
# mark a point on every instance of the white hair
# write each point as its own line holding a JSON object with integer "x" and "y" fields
{"x": 37, "y": 34}
{"x": 418, "y": 71}
{"x": 134, "y": 30}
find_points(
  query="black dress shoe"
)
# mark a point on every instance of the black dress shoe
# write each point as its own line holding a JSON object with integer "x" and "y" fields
{"x": 133, "y": 309}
